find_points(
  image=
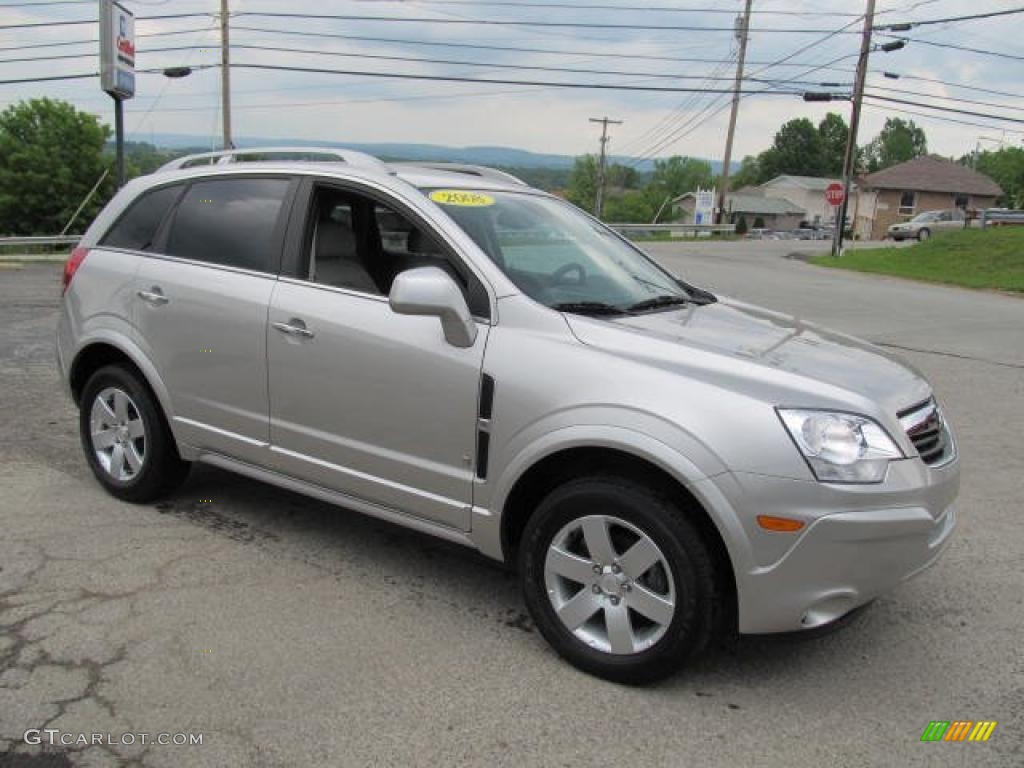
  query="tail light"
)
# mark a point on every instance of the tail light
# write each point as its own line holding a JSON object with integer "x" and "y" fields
{"x": 71, "y": 266}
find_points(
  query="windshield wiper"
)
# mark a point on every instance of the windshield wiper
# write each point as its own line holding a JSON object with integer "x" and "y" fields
{"x": 588, "y": 308}
{"x": 657, "y": 302}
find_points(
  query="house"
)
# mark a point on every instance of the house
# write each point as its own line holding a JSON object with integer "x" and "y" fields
{"x": 774, "y": 212}
{"x": 927, "y": 183}
{"x": 806, "y": 192}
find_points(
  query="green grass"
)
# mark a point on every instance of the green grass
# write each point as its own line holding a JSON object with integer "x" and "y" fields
{"x": 973, "y": 258}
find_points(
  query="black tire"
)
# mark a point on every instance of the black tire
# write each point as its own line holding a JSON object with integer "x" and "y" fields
{"x": 162, "y": 469}
{"x": 923, "y": 235}
{"x": 662, "y": 519}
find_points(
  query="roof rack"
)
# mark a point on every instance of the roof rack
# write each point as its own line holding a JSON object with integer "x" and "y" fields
{"x": 276, "y": 154}
{"x": 481, "y": 171}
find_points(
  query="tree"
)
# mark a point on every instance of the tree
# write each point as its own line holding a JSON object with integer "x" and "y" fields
{"x": 834, "y": 134}
{"x": 51, "y": 155}
{"x": 634, "y": 206}
{"x": 899, "y": 140}
{"x": 798, "y": 149}
{"x": 679, "y": 175}
{"x": 583, "y": 182}
{"x": 748, "y": 174}
{"x": 741, "y": 225}
{"x": 1006, "y": 167}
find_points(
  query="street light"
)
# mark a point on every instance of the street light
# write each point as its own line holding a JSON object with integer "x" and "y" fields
{"x": 176, "y": 73}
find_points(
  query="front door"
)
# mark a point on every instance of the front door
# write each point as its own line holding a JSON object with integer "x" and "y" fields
{"x": 362, "y": 400}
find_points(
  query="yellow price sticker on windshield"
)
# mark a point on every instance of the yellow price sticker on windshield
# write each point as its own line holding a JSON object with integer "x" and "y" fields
{"x": 461, "y": 197}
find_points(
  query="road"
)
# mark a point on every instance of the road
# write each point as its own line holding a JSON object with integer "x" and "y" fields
{"x": 291, "y": 633}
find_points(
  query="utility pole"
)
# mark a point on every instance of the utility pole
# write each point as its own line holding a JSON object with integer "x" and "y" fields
{"x": 599, "y": 194}
{"x": 225, "y": 73}
{"x": 742, "y": 33}
{"x": 850, "y": 158}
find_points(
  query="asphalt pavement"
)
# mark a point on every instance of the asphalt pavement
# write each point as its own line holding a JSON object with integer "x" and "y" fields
{"x": 291, "y": 633}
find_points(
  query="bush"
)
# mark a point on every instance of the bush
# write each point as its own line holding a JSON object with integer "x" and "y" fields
{"x": 741, "y": 226}
{"x": 759, "y": 222}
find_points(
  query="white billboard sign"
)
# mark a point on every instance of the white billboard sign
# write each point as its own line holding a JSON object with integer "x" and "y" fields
{"x": 704, "y": 208}
{"x": 117, "y": 49}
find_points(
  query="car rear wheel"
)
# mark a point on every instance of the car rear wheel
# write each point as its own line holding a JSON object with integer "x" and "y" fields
{"x": 618, "y": 579}
{"x": 126, "y": 440}
{"x": 923, "y": 235}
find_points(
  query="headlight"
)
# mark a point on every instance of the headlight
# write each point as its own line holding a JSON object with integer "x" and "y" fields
{"x": 841, "y": 447}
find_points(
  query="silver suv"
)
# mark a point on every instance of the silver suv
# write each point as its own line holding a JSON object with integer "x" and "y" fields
{"x": 455, "y": 352}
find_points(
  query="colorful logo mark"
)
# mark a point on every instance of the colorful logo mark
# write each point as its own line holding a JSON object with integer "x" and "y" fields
{"x": 958, "y": 730}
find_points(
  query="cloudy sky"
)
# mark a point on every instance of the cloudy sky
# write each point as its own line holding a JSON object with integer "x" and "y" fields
{"x": 690, "y": 46}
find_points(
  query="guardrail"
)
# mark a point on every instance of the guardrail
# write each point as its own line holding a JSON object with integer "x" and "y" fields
{"x": 48, "y": 240}
{"x": 695, "y": 229}
{"x": 991, "y": 218}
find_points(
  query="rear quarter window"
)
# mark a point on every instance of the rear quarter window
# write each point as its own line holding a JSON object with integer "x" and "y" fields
{"x": 230, "y": 222}
{"x": 136, "y": 229}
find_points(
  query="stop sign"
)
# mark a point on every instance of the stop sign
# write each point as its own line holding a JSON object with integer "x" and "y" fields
{"x": 834, "y": 193}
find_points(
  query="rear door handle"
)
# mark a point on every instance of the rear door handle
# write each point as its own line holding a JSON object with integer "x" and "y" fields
{"x": 154, "y": 296}
{"x": 294, "y": 327}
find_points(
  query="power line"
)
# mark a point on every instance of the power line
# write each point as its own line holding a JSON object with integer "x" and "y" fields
{"x": 455, "y": 79}
{"x": 975, "y": 88}
{"x": 954, "y": 46}
{"x": 504, "y": 48}
{"x": 954, "y": 110}
{"x": 947, "y": 98}
{"x": 94, "y": 41}
{"x": 77, "y": 22}
{"x": 940, "y": 118}
{"x": 512, "y": 22}
{"x": 952, "y": 19}
{"x": 418, "y": 60}
{"x": 608, "y": 7}
{"x": 665, "y": 125}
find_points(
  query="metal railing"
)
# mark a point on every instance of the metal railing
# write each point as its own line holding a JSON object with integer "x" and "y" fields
{"x": 724, "y": 229}
{"x": 45, "y": 240}
{"x": 1001, "y": 217}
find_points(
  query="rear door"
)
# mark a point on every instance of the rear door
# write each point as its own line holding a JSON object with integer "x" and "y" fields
{"x": 365, "y": 401}
{"x": 202, "y": 309}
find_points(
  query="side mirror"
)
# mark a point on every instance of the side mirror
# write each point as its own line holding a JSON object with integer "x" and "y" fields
{"x": 431, "y": 291}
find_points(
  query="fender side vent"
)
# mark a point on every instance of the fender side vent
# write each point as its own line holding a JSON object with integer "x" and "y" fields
{"x": 486, "y": 396}
{"x": 483, "y": 444}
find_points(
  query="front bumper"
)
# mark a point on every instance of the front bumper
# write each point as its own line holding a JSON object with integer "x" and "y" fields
{"x": 858, "y": 542}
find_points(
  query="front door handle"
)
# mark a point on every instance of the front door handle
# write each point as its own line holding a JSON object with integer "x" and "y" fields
{"x": 294, "y": 327}
{"x": 154, "y": 296}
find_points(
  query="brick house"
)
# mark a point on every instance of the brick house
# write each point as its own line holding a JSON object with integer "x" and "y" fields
{"x": 927, "y": 183}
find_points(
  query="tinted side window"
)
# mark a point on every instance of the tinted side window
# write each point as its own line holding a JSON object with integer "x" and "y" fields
{"x": 230, "y": 222}
{"x": 137, "y": 226}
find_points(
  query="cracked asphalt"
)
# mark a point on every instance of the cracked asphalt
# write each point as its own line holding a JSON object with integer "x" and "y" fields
{"x": 291, "y": 633}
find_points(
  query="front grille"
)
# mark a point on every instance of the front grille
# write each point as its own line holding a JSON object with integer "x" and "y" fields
{"x": 927, "y": 430}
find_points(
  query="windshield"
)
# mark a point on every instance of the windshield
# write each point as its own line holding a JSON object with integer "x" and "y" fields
{"x": 557, "y": 255}
{"x": 927, "y": 216}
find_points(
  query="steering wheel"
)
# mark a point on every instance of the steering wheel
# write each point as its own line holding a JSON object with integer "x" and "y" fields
{"x": 565, "y": 269}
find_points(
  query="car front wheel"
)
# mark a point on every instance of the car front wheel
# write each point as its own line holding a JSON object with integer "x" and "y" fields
{"x": 923, "y": 235}
{"x": 618, "y": 579}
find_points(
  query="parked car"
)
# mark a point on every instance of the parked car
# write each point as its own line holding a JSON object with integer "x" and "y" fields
{"x": 458, "y": 353}
{"x": 926, "y": 224}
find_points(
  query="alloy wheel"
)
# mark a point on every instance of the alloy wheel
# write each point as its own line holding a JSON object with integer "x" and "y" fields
{"x": 609, "y": 584}
{"x": 118, "y": 434}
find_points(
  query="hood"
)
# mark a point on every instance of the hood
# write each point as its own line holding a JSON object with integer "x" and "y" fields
{"x": 784, "y": 357}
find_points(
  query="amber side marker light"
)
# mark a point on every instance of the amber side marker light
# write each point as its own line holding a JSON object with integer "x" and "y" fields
{"x": 779, "y": 524}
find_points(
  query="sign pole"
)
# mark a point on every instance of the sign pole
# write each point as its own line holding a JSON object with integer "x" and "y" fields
{"x": 119, "y": 138}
